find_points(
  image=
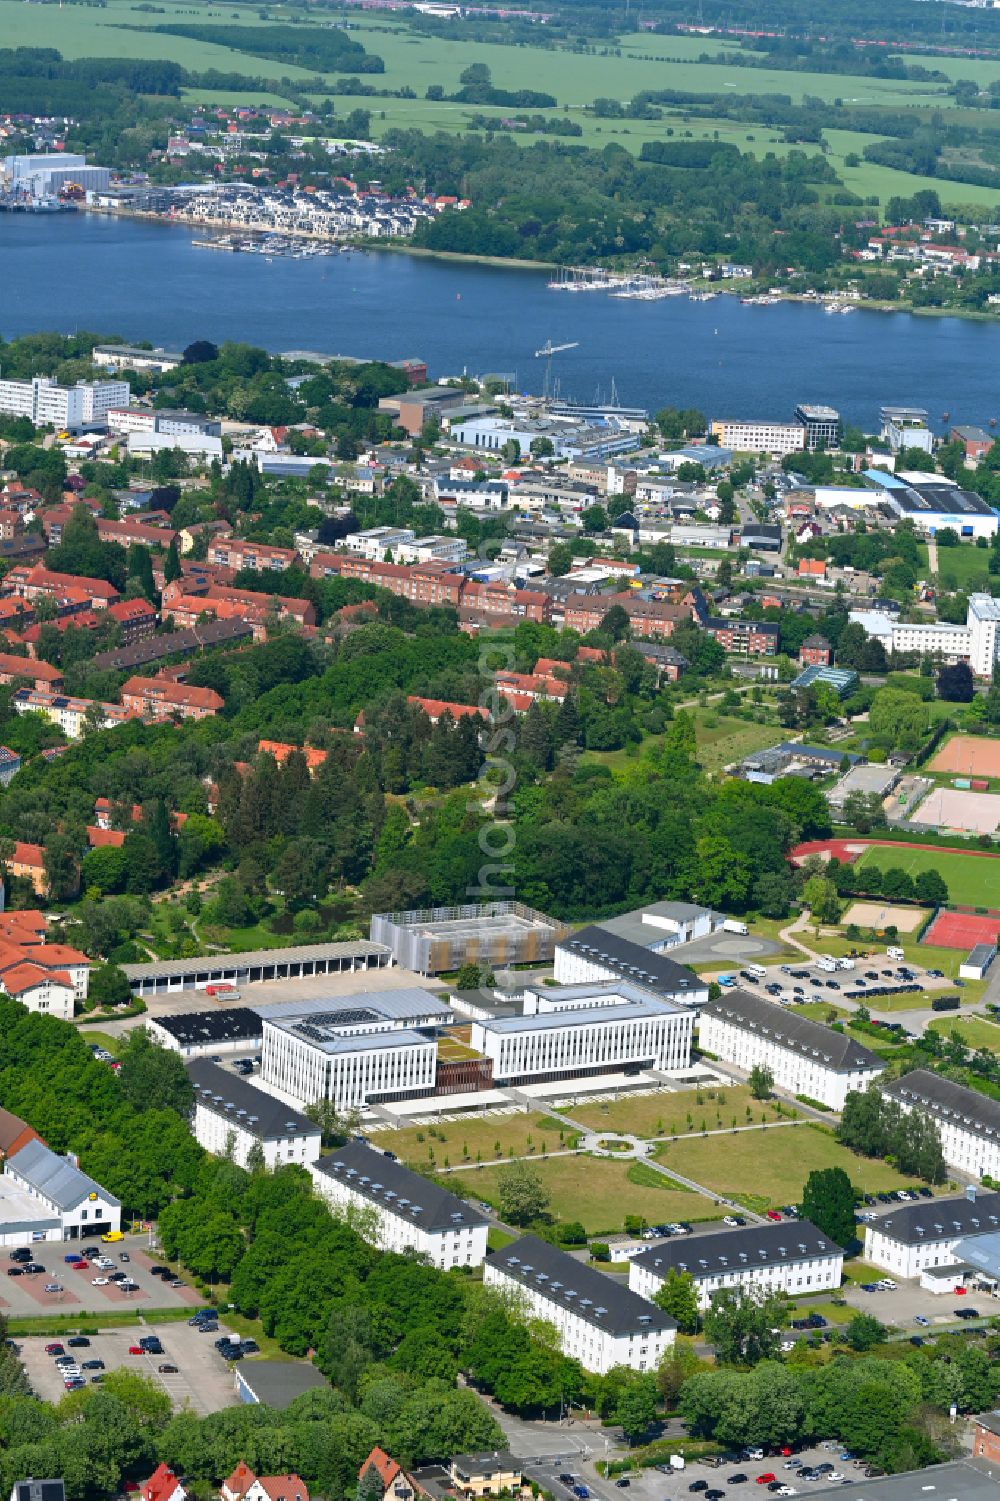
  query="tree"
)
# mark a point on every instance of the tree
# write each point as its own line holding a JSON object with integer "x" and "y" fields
{"x": 678, "y": 1296}
{"x": 108, "y": 986}
{"x": 956, "y": 683}
{"x": 153, "y": 1077}
{"x": 636, "y": 1408}
{"x": 820, "y": 896}
{"x": 900, "y": 719}
{"x": 761, "y": 1082}
{"x": 864, "y": 1332}
{"x": 62, "y": 868}
{"x": 521, "y": 1194}
{"x": 740, "y": 1325}
{"x": 930, "y": 887}
{"x": 560, "y": 559}
{"x": 172, "y": 564}
{"x": 201, "y": 352}
{"x": 828, "y": 1202}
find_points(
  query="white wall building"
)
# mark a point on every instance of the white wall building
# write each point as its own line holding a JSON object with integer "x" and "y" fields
{"x": 432, "y": 550}
{"x": 599, "y": 1322}
{"x": 579, "y": 1030}
{"x": 793, "y": 1257}
{"x": 760, "y": 436}
{"x": 231, "y": 1116}
{"x": 399, "y": 1210}
{"x": 915, "y": 1237}
{"x": 968, "y": 1122}
{"x": 803, "y": 1056}
{"x": 83, "y": 1207}
{"x": 352, "y": 1049}
{"x": 598, "y": 953}
{"x": 976, "y": 642}
{"x": 377, "y": 541}
{"x": 43, "y": 401}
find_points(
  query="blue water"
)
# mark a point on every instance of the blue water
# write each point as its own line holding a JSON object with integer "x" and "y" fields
{"x": 147, "y": 281}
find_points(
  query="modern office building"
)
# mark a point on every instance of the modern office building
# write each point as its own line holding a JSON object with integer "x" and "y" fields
{"x": 402, "y": 1210}
{"x": 968, "y": 1122}
{"x": 914, "y": 1237}
{"x": 595, "y": 953}
{"x": 753, "y": 436}
{"x": 377, "y": 1045}
{"x": 575, "y": 1031}
{"x": 793, "y": 1257}
{"x": 804, "y": 1057}
{"x": 44, "y": 402}
{"x": 822, "y": 425}
{"x": 231, "y": 1117}
{"x": 444, "y": 938}
{"x": 905, "y": 427}
{"x": 599, "y": 1322}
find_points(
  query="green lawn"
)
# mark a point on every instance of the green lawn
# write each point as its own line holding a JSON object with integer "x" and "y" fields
{"x": 493, "y": 1137}
{"x": 770, "y": 1167}
{"x": 597, "y": 1191}
{"x": 884, "y": 182}
{"x": 666, "y": 1113}
{"x": 963, "y": 568}
{"x": 967, "y": 877}
{"x": 722, "y": 739}
{"x": 974, "y": 1031}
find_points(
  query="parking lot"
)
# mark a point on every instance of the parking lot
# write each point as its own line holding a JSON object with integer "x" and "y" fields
{"x": 866, "y": 983}
{"x": 202, "y": 1378}
{"x": 698, "y": 1479}
{"x": 901, "y": 1307}
{"x": 25, "y": 1295}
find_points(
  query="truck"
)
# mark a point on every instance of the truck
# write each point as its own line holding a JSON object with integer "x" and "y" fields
{"x": 827, "y": 965}
{"x": 732, "y": 926}
{"x": 894, "y": 953}
{"x": 677, "y": 1461}
{"x": 222, "y": 990}
{"x": 726, "y": 981}
{"x": 845, "y": 963}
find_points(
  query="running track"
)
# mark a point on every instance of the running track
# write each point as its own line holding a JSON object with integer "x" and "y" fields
{"x": 849, "y": 850}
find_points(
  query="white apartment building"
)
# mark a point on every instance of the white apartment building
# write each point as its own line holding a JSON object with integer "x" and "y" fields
{"x": 803, "y": 1056}
{"x": 398, "y": 1210}
{"x": 578, "y": 1030}
{"x": 43, "y": 401}
{"x": 599, "y": 953}
{"x": 759, "y": 436}
{"x": 70, "y": 714}
{"x": 231, "y": 1116}
{"x": 976, "y": 642}
{"x": 57, "y": 1184}
{"x": 377, "y": 541}
{"x": 968, "y": 1122}
{"x": 127, "y": 357}
{"x": 793, "y": 1257}
{"x": 431, "y": 550}
{"x": 599, "y": 1322}
{"x": 915, "y": 1237}
{"x": 131, "y": 420}
{"x": 351, "y": 1049}
{"x": 905, "y": 427}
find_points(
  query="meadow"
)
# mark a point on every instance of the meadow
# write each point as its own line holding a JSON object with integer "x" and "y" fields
{"x": 974, "y": 1031}
{"x": 722, "y": 740}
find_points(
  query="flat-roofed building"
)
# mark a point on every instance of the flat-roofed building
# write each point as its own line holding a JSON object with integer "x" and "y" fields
{"x": 196, "y": 1034}
{"x": 163, "y": 976}
{"x": 804, "y": 1057}
{"x": 445, "y": 938}
{"x": 968, "y": 1122}
{"x": 760, "y": 436}
{"x": 594, "y": 953}
{"x": 914, "y": 1237}
{"x": 402, "y": 1210}
{"x": 599, "y": 1322}
{"x": 793, "y": 1257}
{"x": 231, "y": 1117}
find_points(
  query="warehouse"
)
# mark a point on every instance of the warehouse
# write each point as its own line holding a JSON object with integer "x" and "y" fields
{"x": 231, "y": 1117}
{"x": 804, "y": 1057}
{"x": 576, "y": 1031}
{"x": 198, "y": 1034}
{"x": 166, "y": 975}
{"x": 497, "y": 934}
{"x": 404, "y": 1211}
{"x": 379, "y": 1045}
{"x": 793, "y": 1257}
{"x": 594, "y": 953}
{"x": 599, "y": 1322}
{"x": 968, "y": 1122}
{"x": 60, "y": 1189}
{"x": 915, "y": 1237}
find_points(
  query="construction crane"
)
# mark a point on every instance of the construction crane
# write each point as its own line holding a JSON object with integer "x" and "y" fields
{"x": 546, "y": 352}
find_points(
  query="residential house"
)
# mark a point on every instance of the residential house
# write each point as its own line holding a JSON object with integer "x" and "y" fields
{"x": 162, "y": 698}
{"x": 244, "y": 1485}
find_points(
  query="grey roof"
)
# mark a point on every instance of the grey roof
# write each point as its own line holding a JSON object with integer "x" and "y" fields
{"x": 496, "y": 1462}
{"x": 276, "y": 1383}
{"x": 932, "y": 1220}
{"x": 213, "y": 963}
{"x": 589, "y": 1294}
{"x": 739, "y": 1250}
{"x": 943, "y": 499}
{"x": 982, "y": 954}
{"x": 397, "y": 1189}
{"x": 786, "y": 1029}
{"x": 958, "y": 1480}
{"x": 632, "y": 962}
{"x": 55, "y": 1177}
{"x": 175, "y": 643}
{"x": 236, "y": 1099}
{"x": 636, "y": 1005}
{"x": 367, "y": 1019}
{"x": 38, "y": 1490}
{"x": 966, "y": 1109}
{"x": 235, "y": 1024}
{"x": 981, "y": 1253}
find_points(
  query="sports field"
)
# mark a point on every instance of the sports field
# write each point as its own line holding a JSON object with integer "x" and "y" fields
{"x": 963, "y": 930}
{"x": 969, "y": 755}
{"x": 966, "y": 812}
{"x": 881, "y": 915}
{"x": 968, "y": 877}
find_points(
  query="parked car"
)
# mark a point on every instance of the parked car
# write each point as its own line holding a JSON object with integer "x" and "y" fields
{"x": 93, "y": 1365}
{"x": 166, "y": 1369}
{"x": 53, "y": 1287}
{"x": 738, "y": 1479}
{"x": 136, "y": 1350}
{"x": 921, "y": 1320}
{"x": 766, "y": 1478}
{"x": 773, "y": 1214}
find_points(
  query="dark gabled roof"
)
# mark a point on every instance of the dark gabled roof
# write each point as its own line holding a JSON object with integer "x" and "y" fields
{"x": 630, "y": 961}
{"x": 739, "y": 1250}
{"x": 397, "y": 1189}
{"x": 249, "y": 1108}
{"x": 571, "y": 1284}
{"x": 38, "y": 1490}
{"x": 174, "y": 644}
{"x": 947, "y": 1101}
{"x": 191, "y": 1028}
{"x": 940, "y": 1219}
{"x": 786, "y": 1029}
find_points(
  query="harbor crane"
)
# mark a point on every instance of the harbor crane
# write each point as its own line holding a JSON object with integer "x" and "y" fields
{"x": 546, "y": 352}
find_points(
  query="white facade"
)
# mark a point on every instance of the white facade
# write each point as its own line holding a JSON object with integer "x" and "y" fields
{"x": 976, "y": 642}
{"x": 231, "y": 1117}
{"x": 193, "y": 445}
{"x": 43, "y": 401}
{"x": 585, "y": 1030}
{"x": 398, "y": 1210}
{"x": 793, "y": 1258}
{"x": 432, "y": 550}
{"x": 760, "y": 437}
{"x": 804, "y": 1057}
{"x": 131, "y": 420}
{"x": 967, "y": 1122}
{"x": 984, "y": 624}
{"x": 916, "y": 1237}
{"x": 60, "y": 1188}
{"x": 598, "y": 1322}
{"x": 374, "y": 543}
{"x": 226, "y": 1136}
{"x": 596, "y": 954}
{"x": 49, "y": 997}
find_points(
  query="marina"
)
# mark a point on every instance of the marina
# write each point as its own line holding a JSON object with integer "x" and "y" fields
{"x": 270, "y": 246}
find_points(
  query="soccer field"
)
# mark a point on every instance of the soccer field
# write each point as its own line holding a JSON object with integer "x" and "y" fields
{"x": 972, "y": 880}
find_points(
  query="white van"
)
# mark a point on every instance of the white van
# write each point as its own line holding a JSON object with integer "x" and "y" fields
{"x": 894, "y": 953}
{"x": 757, "y": 971}
{"x": 828, "y": 965}
{"x": 845, "y": 963}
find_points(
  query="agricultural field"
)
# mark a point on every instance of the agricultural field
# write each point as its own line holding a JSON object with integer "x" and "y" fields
{"x": 596, "y": 1191}
{"x": 666, "y": 1114}
{"x": 966, "y": 876}
{"x": 872, "y": 180}
{"x": 492, "y": 1137}
{"x": 776, "y": 1162}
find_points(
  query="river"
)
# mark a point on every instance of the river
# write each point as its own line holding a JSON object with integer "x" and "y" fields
{"x": 144, "y": 280}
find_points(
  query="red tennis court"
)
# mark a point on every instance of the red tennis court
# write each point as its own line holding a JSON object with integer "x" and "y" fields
{"x": 962, "y": 930}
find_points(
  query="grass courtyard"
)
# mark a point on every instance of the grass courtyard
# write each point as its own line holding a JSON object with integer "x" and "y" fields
{"x": 776, "y": 1163}
{"x": 491, "y": 1137}
{"x": 597, "y": 1191}
{"x": 666, "y": 1113}
{"x": 966, "y": 876}
{"x": 974, "y": 1031}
